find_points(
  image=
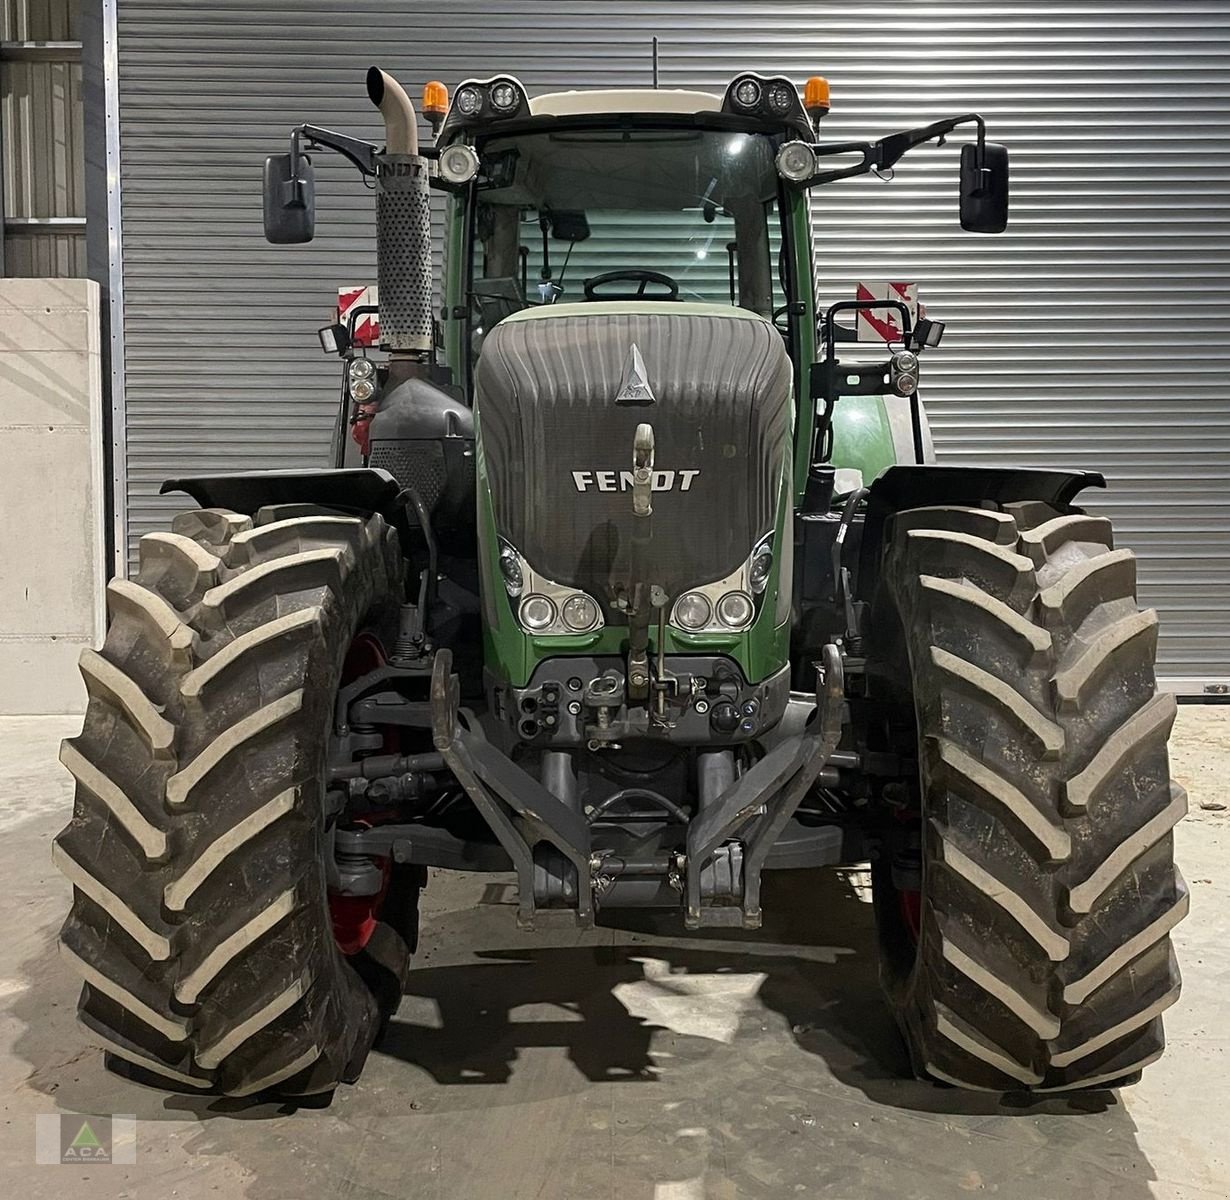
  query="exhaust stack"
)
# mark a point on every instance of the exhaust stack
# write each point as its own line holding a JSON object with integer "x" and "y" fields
{"x": 403, "y": 223}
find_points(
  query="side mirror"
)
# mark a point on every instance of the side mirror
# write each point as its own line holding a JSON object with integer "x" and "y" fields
{"x": 984, "y": 188}
{"x": 290, "y": 203}
{"x": 569, "y": 224}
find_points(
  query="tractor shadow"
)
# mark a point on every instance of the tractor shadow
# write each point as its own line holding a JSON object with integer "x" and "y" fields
{"x": 812, "y": 969}
{"x": 781, "y": 1029}
{"x": 808, "y": 978}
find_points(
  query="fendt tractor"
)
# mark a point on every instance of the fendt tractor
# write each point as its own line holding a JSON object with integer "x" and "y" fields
{"x": 630, "y": 586}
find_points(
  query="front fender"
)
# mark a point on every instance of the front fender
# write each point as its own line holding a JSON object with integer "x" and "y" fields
{"x": 902, "y": 487}
{"x": 363, "y": 489}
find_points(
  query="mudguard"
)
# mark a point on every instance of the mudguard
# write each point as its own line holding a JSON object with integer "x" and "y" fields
{"x": 912, "y": 486}
{"x": 362, "y": 489}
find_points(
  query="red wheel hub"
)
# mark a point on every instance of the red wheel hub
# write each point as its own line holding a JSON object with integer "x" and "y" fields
{"x": 355, "y": 917}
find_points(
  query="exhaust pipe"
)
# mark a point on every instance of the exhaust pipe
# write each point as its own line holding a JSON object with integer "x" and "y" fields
{"x": 403, "y": 223}
{"x": 401, "y": 131}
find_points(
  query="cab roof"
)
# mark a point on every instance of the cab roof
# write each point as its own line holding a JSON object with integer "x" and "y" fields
{"x": 623, "y": 100}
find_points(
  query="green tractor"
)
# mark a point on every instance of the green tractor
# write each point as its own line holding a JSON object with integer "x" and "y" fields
{"x": 626, "y": 583}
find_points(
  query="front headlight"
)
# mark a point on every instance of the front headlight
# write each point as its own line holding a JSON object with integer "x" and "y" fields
{"x": 510, "y": 568}
{"x": 797, "y": 162}
{"x": 468, "y": 100}
{"x": 762, "y": 564}
{"x": 536, "y": 612}
{"x": 581, "y": 613}
{"x": 692, "y": 611}
{"x": 362, "y": 390}
{"x": 458, "y": 163}
{"x": 503, "y": 96}
{"x": 735, "y": 610}
{"x": 781, "y": 97}
{"x": 747, "y": 92}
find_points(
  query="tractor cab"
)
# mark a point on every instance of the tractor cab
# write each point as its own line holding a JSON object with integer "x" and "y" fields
{"x": 653, "y": 197}
{"x": 662, "y": 211}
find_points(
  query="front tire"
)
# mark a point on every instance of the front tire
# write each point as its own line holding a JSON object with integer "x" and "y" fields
{"x": 1041, "y": 958}
{"x": 200, "y": 918}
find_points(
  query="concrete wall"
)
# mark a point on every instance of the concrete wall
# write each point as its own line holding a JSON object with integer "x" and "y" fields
{"x": 51, "y": 491}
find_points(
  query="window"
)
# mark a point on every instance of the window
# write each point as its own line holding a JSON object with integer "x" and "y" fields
{"x": 554, "y": 209}
{"x": 41, "y": 133}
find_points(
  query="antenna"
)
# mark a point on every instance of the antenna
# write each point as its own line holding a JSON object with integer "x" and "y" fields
{"x": 655, "y": 64}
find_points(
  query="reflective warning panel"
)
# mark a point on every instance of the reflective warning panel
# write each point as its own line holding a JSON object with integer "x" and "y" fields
{"x": 884, "y": 324}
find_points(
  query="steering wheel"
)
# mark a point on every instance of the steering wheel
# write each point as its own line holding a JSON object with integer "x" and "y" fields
{"x": 644, "y": 278}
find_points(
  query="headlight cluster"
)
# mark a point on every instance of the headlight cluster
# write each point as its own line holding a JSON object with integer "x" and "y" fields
{"x": 904, "y": 372}
{"x": 540, "y": 614}
{"x": 361, "y": 379}
{"x": 727, "y": 605}
{"x": 495, "y": 99}
{"x": 542, "y": 606}
{"x": 734, "y": 612}
{"x": 760, "y": 96}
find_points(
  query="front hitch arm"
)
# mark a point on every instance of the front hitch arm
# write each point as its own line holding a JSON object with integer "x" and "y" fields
{"x": 519, "y": 810}
{"x": 756, "y": 807}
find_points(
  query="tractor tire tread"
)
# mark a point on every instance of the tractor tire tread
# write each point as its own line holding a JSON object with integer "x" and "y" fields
{"x": 1050, "y": 890}
{"x": 197, "y": 767}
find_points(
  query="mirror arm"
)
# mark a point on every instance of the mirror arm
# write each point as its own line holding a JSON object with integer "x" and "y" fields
{"x": 825, "y": 149}
{"x": 882, "y": 154}
{"x": 888, "y": 150}
{"x": 359, "y": 152}
{"x": 362, "y": 154}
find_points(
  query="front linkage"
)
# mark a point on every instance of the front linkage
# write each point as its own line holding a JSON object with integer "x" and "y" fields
{"x": 564, "y": 861}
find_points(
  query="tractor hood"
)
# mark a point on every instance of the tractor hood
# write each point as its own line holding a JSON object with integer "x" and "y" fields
{"x": 561, "y": 391}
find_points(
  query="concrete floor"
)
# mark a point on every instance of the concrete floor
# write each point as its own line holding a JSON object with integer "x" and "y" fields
{"x": 637, "y": 1063}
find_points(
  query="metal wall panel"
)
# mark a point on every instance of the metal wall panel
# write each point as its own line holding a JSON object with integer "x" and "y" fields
{"x": 45, "y": 254}
{"x": 42, "y": 142}
{"x": 1092, "y": 334}
{"x": 41, "y": 137}
{"x": 39, "y": 20}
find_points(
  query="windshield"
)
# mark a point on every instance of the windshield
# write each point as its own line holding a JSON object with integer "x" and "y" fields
{"x": 554, "y": 210}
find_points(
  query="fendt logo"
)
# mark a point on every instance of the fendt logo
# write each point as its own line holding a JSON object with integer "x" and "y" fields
{"x": 621, "y": 481}
{"x": 399, "y": 167}
{"x": 634, "y": 386}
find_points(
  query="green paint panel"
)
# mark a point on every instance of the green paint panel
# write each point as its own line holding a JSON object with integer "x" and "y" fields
{"x": 862, "y": 438}
{"x": 799, "y": 220}
{"x": 513, "y": 655}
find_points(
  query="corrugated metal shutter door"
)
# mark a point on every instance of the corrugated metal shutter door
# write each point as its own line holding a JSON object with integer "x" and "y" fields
{"x": 1093, "y": 334}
